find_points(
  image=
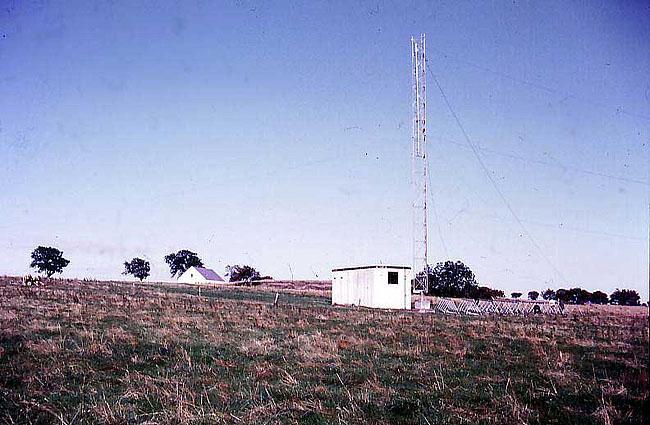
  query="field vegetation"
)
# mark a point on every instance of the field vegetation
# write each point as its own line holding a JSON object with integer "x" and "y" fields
{"x": 107, "y": 352}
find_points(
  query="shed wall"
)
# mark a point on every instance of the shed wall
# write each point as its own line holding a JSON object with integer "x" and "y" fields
{"x": 392, "y": 296}
{"x": 369, "y": 287}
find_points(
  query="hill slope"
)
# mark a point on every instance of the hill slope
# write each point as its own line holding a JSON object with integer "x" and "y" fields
{"x": 88, "y": 352}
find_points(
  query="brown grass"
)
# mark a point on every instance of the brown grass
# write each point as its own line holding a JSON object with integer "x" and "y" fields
{"x": 103, "y": 352}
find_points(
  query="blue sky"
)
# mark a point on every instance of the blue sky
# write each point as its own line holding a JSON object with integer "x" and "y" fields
{"x": 279, "y": 136}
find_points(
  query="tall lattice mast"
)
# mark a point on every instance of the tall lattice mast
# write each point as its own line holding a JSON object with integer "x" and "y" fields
{"x": 420, "y": 168}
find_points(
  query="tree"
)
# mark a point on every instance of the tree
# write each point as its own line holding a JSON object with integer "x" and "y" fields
{"x": 48, "y": 260}
{"x": 533, "y": 295}
{"x": 549, "y": 294}
{"x": 578, "y": 296}
{"x": 562, "y": 295}
{"x": 625, "y": 297}
{"x": 452, "y": 279}
{"x": 138, "y": 267}
{"x": 181, "y": 261}
{"x": 599, "y": 297}
{"x": 516, "y": 294}
{"x": 573, "y": 295}
{"x": 486, "y": 293}
{"x": 243, "y": 273}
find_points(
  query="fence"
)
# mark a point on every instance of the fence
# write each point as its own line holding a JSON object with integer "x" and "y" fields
{"x": 486, "y": 307}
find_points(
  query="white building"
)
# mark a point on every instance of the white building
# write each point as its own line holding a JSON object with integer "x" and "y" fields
{"x": 200, "y": 275}
{"x": 372, "y": 286}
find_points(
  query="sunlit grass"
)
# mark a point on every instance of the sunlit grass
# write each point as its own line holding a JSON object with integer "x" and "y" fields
{"x": 88, "y": 352}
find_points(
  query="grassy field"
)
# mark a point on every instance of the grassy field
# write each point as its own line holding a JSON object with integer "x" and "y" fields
{"x": 102, "y": 352}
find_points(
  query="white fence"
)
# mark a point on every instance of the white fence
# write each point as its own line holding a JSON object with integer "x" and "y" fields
{"x": 499, "y": 307}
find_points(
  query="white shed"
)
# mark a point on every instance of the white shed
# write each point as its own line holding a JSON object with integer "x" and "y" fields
{"x": 200, "y": 275}
{"x": 372, "y": 286}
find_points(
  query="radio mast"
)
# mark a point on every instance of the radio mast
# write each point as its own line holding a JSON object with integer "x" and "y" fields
{"x": 419, "y": 167}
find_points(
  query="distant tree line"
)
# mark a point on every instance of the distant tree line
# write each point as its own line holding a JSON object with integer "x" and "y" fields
{"x": 49, "y": 260}
{"x": 582, "y": 296}
{"x": 456, "y": 280}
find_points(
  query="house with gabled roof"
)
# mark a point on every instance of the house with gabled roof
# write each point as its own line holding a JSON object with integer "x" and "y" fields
{"x": 200, "y": 275}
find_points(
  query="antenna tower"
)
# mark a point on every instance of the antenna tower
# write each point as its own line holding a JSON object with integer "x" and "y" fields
{"x": 419, "y": 166}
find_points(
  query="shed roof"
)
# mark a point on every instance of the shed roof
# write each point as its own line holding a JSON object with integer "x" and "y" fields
{"x": 209, "y": 274}
{"x": 380, "y": 266}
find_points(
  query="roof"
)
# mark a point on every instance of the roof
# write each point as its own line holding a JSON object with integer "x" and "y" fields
{"x": 381, "y": 266}
{"x": 209, "y": 274}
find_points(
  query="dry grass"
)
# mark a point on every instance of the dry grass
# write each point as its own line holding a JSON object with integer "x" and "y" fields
{"x": 103, "y": 352}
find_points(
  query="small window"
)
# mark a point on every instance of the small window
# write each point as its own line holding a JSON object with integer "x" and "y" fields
{"x": 392, "y": 278}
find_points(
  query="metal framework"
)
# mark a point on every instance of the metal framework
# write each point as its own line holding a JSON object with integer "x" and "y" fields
{"x": 419, "y": 166}
{"x": 495, "y": 307}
